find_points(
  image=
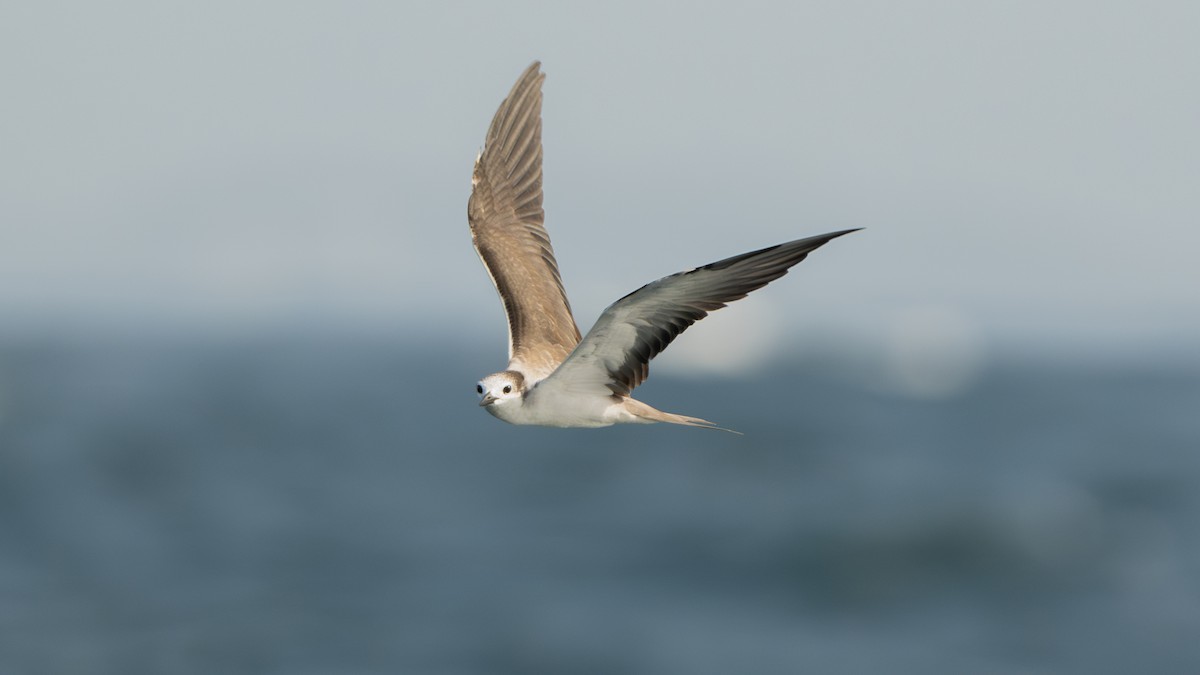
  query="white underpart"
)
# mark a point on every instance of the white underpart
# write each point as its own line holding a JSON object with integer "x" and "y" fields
{"x": 548, "y": 408}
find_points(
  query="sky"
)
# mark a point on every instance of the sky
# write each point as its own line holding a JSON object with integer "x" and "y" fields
{"x": 1026, "y": 173}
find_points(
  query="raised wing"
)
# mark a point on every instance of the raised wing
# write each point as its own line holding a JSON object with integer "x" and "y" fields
{"x": 616, "y": 352}
{"x": 506, "y": 216}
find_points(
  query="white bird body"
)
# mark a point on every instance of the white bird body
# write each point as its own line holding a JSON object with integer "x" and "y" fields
{"x": 555, "y": 376}
{"x": 546, "y": 407}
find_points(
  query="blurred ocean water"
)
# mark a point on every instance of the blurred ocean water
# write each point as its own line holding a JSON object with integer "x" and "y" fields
{"x": 342, "y": 506}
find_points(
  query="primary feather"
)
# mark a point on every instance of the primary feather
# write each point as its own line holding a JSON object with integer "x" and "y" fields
{"x": 506, "y": 217}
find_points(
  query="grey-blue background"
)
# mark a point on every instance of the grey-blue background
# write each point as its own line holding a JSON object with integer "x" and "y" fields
{"x": 240, "y": 323}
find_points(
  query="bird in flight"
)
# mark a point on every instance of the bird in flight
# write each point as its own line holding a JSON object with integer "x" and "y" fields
{"x": 555, "y": 377}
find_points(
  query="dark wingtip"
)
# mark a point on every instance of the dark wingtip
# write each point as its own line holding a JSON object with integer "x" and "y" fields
{"x": 814, "y": 242}
{"x": 833, "y": 235}
{"x": 799, "y": 247}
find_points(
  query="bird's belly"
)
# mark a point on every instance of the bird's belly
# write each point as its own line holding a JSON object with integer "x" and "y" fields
{"x": 550, "y": 411}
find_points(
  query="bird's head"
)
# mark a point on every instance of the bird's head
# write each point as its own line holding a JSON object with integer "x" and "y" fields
{"x": 500, "y": 388}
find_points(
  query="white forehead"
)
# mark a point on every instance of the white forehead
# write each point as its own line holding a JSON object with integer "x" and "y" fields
{"x": 499, "y": 378}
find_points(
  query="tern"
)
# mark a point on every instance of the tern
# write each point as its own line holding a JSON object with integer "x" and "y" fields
{"x": 556, "y": 377}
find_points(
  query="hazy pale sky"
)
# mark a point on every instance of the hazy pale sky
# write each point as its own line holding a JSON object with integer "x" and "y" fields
{"x": 1027, "y": 172}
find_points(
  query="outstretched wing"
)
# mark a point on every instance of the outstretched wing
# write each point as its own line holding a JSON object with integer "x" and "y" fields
{"x": 616, "y": 352}
{"x": 505, "y": 212}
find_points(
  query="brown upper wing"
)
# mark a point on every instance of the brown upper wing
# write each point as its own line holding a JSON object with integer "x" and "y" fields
{"x": 506, "y": 216}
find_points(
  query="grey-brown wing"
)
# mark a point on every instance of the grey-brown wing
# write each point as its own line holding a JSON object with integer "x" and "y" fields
{"x": 506, "y": 217}
{"x": 616, "y": 352}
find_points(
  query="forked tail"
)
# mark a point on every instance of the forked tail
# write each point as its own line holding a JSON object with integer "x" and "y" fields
{"x": 651, "y": 414}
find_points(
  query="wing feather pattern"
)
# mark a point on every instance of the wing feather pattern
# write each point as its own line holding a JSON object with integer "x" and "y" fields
{"x": 506, "y": 217}
{"x": 616, "y": 352}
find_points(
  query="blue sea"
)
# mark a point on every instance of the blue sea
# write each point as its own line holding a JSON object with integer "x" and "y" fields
{"x": 341, "y": 506}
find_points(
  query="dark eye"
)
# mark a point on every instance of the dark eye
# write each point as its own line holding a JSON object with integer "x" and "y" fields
{"x": 508, "y": 388}
{"x": 479, "y": 389}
